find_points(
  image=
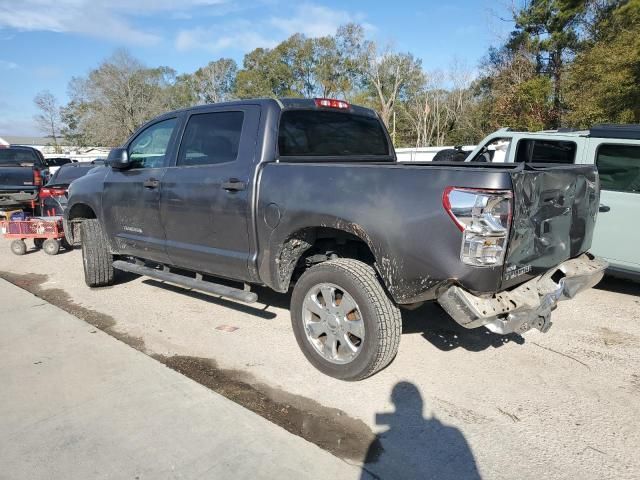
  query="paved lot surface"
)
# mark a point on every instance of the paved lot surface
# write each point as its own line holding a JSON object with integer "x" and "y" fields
{"x": 77, "y": 404}
{"x": 453, "y": 404}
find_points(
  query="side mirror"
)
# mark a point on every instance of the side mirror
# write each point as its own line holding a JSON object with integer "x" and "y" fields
{"x": 118, "y": 159}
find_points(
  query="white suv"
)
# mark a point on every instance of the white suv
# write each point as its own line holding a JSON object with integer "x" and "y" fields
{"x": 615, "y": 149}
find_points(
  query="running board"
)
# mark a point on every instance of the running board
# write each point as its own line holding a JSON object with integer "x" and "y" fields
{"x": 195, "y": 283}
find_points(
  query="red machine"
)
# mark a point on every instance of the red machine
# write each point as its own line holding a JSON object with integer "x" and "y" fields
{"x": 47, "y": 233}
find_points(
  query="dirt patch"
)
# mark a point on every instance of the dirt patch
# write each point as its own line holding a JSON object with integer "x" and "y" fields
{"x": 329, "y": 428}
{"x": 612, "y": 337}
{"x": 32, "y": 283}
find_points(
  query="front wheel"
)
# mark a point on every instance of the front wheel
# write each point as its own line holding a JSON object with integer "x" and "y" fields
{"x": 96, "y": 257}
{"x": 344, "y": 321}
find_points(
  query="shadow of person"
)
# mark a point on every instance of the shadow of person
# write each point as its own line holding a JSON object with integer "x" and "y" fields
{"x": 414, "y": 447}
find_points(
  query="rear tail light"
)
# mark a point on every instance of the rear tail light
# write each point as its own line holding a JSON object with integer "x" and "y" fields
{"x": 331, "y": 103}
{"x": 46, "y": 192}
{"x": 37, "y": 177}
{"x": 484, "y": 218}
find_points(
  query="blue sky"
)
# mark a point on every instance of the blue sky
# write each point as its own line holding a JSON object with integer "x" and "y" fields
{"x": 43, "y": 43}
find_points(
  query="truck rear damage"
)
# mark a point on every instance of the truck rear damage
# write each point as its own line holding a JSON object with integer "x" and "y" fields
{"x": 552, "y": 214}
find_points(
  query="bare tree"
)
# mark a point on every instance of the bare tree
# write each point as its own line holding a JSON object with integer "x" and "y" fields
{"x": 48, "y": 120}
{"x": 389, "y": 75}
{"x": 118, "y": 97}
{"x": 439, "y": 105}
{"x": 214, "y": 82}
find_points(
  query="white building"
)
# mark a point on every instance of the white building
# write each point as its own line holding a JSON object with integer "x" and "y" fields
{"x": 45, "y": 145}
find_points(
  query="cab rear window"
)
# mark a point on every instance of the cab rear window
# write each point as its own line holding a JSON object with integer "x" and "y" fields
{"x": 10, "y": 157}
{"x": 317, "y": 133}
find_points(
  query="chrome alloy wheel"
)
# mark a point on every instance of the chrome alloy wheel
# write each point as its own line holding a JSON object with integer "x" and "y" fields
{"x": 333, "y": 323}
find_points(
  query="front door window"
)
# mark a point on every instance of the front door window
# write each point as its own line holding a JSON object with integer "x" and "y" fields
{"x": 149, "y": 148}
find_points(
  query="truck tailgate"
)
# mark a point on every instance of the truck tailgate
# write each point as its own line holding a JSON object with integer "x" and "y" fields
{"x": 554, "y": 215}
{"x": 16, "y": 178}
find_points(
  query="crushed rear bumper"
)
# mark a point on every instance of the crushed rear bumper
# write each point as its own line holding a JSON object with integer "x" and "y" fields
{"x": 530, "y": 304}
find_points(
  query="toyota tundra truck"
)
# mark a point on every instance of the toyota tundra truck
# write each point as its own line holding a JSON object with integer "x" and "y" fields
{"x": 306, "y": 195}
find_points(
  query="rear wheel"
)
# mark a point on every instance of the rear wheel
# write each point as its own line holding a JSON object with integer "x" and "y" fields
{"x": 96, "y": 257}
{"x": 18, "y": 247}
{"x": 51, "y": 246}
{"x": 344, "y": 321}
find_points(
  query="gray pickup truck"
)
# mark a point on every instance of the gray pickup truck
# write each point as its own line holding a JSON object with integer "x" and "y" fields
{"x": 307, "y": 195}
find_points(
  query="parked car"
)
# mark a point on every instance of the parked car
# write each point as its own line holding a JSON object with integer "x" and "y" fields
{"x": 54, "y": 163}
{"x": 615, "y": 150}
{"x": 307, "y": 194}
{"x": 22, "y": 172}
{"x": 53, "y": 196}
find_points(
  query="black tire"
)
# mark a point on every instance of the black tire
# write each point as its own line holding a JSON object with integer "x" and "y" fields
{"x": 96, "y": 257}
{"x": 382, "y": 319}
{"x": 18, "y": 247}
{"x": 37, "y": 242}
{"x": 450, "y": 155}
{"x": 51, "y": 246}
{"x": 65, "y": 244}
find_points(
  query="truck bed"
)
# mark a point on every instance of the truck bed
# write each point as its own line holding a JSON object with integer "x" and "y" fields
{"x": 397, "y": 210}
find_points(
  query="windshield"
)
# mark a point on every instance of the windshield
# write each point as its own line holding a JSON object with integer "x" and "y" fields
{"x": 66, "y": 175}
{"x": 10, "y": 157}
{"x": 316, "y": 133}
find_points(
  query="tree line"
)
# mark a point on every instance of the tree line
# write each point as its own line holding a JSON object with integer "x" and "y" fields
{"x": 567, "y": 63}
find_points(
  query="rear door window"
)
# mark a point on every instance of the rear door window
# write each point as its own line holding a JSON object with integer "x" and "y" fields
{"x": 211, "y": 138}
{"x": 619, "y": 167}
{"x": 546, "y": 151}
{"x": 315, "y": 133}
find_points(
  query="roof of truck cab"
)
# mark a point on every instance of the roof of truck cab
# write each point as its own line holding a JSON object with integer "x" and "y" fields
{"x": 279, "y": 103}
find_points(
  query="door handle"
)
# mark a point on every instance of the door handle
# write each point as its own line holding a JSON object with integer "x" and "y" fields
{"x": 151, "y": 183}
{"x": 604, "y": 208}
{"x": 233, "y": 185}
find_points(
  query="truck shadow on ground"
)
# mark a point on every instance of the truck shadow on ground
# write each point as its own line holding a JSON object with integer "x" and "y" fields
{"x": 619, "y": 285}
{"x": 433, "y": 323}
{"x": 267, "y": 297}
{"x": 429, "y": 320}
{"x": 417, "y": 447}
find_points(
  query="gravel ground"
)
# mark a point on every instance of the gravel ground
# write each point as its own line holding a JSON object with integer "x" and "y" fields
{"x": 455, "y": 403}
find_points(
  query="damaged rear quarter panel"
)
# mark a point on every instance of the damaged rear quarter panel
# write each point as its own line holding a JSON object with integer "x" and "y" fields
{"x": 395, "y": 209}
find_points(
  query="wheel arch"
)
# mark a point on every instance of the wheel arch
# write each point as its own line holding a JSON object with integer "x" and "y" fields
{"x": 76, "y": 213}
{"x": 310, "y": 245}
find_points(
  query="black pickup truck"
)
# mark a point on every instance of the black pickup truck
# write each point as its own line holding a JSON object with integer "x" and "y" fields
{"x": 307, "y": 194}
{"x": 22, "y": 173}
